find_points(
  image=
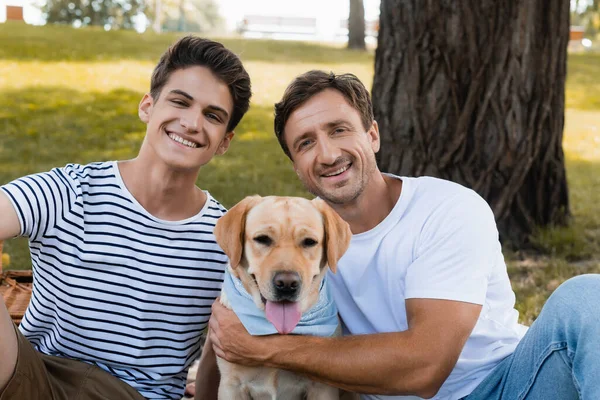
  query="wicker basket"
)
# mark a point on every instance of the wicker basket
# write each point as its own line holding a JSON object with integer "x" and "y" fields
{"x": 15, "y": 288}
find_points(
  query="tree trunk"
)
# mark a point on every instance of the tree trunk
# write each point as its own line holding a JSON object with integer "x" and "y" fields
{"x": 474, "y": 91}
{"x": 356, "y": 25}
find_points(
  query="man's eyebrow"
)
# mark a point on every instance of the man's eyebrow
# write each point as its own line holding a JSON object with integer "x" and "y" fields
{"x": 301, "y": 138}
{"x": 182, "y": 93}
{"x": 336, "y": 122}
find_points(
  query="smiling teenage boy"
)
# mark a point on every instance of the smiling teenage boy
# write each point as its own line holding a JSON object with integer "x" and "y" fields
{"x": 125, "y": 263}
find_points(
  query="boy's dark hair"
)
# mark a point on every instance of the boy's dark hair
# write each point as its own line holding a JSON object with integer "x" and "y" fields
{"x": 313, "y": 82}
{"x": 191, "y": 51}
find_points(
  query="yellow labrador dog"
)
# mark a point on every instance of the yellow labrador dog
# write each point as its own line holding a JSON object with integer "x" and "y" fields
{"x": 279, "y": 250}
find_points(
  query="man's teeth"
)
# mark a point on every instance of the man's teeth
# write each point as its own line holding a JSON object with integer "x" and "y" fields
{"x": 181, "y": 140}
{"x": 337, "y": 172}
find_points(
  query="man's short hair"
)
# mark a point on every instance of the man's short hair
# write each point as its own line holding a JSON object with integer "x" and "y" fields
{"x": 191, "y": 51}
{"x": 312, "y": 83}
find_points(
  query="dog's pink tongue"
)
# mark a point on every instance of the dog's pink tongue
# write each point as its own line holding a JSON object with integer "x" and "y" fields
{"x": 284, "y": 315}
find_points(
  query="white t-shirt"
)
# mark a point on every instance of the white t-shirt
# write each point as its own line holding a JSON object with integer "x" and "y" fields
{"x": 440, "y": 241}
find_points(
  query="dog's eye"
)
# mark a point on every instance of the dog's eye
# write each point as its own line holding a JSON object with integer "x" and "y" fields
{"x": 264, "y": 239}
{"x": 308, "y": 242}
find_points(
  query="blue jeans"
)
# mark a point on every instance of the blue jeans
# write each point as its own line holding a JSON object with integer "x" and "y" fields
{"x": 559, "y": 357}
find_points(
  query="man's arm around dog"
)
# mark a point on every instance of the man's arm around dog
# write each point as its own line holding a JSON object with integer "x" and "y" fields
{"x": 416, "y": 361}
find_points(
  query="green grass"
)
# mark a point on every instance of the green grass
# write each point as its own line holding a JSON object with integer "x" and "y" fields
{"x": 583, "y": 86}
{"x": 71, "y": 96}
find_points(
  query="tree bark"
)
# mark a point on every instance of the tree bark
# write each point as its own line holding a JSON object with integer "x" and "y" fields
{"x": 474, "y": 91}
{"x": 356, "y": 25}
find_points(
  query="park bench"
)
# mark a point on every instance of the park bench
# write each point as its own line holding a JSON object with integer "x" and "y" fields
{"x": 253, "y": 25}
{"x": 15, "y": 288}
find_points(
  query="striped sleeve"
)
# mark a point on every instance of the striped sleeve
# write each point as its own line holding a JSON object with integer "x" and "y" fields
{"x": 40, "y": 200}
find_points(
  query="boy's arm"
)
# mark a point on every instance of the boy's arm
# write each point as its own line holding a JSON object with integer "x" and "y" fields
{"x": 415, "y": 361}
{"x": 9, "y": 221}
{"x": 9, "y": 228}
{"x": 207, "y": 377}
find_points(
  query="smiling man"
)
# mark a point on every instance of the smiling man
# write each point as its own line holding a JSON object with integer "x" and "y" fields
{"x": 125, "y": 263}
{"x": 423, "y": 291}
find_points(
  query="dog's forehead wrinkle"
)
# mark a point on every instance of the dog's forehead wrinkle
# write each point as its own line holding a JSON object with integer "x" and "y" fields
{"x": 305, "y": 230}
{"x": 262, "y": 228}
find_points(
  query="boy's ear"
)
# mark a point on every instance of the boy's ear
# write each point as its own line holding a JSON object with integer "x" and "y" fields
{"x": 224, "y": 145}
{"x": 145, "y": 108}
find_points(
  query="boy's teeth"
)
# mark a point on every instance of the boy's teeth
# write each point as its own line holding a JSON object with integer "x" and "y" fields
{"x": 181, "y": 140}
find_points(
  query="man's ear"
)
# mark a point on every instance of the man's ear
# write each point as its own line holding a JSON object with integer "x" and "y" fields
{"x": 145, "y": 108}
{"x": 231, "y": 229}
{"x": 337, "y": 234}
{"x": 374, "y": 138}
{"x": 224, "y": 145}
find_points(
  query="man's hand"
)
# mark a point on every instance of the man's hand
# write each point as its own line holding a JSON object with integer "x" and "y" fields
{"x": 232, "y": 342}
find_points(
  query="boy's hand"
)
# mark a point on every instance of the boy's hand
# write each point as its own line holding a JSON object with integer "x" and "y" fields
{"x": 190, "y": 390}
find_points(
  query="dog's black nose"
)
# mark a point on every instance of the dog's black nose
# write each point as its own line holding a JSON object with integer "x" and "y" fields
{"x": 287, "y": 284}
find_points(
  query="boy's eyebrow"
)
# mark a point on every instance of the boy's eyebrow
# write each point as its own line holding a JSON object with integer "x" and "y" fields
{"x": 184, "y": 94}
{"x": 219, "y": 109}
{"x": 191, "y": 98}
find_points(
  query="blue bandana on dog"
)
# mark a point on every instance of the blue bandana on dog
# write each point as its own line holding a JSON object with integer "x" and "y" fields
{"x": 320, "y": 320}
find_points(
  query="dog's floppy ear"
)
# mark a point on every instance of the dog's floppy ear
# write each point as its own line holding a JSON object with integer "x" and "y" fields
{"x": 337, "y": 234}
{"x": 230, "y": 229}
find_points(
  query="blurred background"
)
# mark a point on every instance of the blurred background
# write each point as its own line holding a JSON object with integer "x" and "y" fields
{"x": 73, "y": 71}
{"x": 307, "y": 20}
{"x": 313, "y": 20}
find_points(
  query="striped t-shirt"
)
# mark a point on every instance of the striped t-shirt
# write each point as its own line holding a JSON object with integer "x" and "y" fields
{"x": 113, "y": 285}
